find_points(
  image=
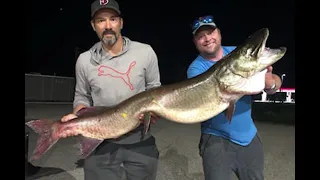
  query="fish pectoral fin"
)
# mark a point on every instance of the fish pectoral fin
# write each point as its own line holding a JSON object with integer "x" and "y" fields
{"x": 230, "y": 111}
{"x": 146, "y": 122}
{"x": 88, "y": 145}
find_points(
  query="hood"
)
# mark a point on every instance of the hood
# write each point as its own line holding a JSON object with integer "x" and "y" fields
{"x": 98, "y": 55}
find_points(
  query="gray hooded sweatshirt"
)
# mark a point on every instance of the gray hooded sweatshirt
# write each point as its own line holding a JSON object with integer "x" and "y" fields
{"x": 105, "y": 80}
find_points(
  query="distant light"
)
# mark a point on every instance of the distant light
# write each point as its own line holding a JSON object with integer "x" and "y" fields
{"x": 60, "y": 9}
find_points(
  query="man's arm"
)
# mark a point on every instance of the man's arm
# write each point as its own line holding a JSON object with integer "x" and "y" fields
{"x": 152, "y": 81}
{"x": 152, "y": 71}
{"x": 82, "y": 95}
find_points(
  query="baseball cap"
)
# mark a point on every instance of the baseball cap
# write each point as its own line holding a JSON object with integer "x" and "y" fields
{"x": 202, "y": 21}
{"x": 99, "y": 4}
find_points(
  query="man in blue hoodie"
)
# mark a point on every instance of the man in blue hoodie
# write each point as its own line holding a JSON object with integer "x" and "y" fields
{"x": 224, "y": 147}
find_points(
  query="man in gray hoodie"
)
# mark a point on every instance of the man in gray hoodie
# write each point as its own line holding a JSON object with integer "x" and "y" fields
{"x": 111, "y": 71}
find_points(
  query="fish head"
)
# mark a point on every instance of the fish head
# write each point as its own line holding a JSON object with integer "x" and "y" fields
{"x": 244, "y": 69}
{"x": 254, "y": 56}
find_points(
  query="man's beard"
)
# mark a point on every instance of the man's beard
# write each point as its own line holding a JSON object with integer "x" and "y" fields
{"x": 212, "y": 52}
{"x": 109, "y": 40}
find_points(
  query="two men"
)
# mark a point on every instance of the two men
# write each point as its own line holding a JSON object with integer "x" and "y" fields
{"x": 133, "y": 67}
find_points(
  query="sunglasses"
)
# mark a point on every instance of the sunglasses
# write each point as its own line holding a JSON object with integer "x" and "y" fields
{"x": 203, "y": 20}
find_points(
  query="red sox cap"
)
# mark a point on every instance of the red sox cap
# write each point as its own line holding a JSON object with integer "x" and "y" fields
{"x": 99, "y": 4}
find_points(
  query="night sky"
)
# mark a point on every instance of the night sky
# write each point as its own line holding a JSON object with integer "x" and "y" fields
{"x": 61, "y": 26}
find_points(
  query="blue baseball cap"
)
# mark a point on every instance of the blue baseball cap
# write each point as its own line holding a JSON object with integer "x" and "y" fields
{"x": 202, "y": 21}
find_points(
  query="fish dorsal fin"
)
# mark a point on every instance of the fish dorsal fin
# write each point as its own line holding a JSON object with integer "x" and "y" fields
{"x": 89, "y": 111}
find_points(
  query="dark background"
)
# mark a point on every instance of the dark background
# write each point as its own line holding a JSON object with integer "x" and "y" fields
{"x": 61, "y": 28}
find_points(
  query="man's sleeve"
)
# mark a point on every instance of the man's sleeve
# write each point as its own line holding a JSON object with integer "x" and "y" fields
{"x": 152, "y": 71}
{"x": 82, "y": 93}
{"x": 194, "y": 70}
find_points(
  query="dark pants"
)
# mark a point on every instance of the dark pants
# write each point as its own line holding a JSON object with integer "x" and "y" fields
{"x": 221, "y": 157}
{"x": 140, "y": 161}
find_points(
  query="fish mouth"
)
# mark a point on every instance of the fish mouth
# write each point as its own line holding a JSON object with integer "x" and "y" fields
{"x": 265, "y": 56}
{"x": 258, "y": 41}
{"x": 270, "y": 56}
{"x": 255, "y": 56}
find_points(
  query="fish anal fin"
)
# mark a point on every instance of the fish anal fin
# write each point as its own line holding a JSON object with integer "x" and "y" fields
{"x": 88, "y": 145}
{"x": 230, "y": 110}
{"x": 146, "y": 122}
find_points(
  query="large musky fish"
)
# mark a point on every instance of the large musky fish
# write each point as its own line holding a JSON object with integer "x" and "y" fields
{"x": 190, "y": 101}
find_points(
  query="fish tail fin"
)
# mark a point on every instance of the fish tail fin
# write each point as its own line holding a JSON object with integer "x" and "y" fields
{"x": 44, "y": 128}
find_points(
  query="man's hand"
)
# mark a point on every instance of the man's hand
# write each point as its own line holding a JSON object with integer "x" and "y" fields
{"x": 153, "y": 119}
{"x": 269, "y": 81}
{"x": 272, "y": 82}
{"x": 68, "y": 117}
